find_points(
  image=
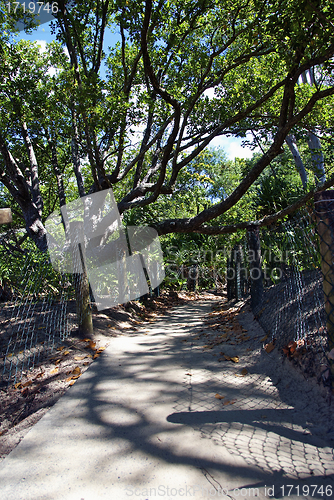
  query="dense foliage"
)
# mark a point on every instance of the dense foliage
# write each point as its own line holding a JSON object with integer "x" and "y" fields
{"x": 139, "y": 116}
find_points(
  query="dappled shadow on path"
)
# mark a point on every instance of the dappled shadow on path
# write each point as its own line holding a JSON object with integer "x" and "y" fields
{"x": 147, "y": 412}
{"x": 140, "y": 400}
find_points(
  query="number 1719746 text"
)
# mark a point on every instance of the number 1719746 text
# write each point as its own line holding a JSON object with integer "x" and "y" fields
{"x": 307, "y": 490}
{"x": 32, "y": 7}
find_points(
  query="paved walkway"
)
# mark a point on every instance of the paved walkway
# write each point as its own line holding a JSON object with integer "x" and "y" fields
{"x": 143, "y": 422}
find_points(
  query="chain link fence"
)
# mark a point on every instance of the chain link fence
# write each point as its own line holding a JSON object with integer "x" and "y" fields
{"x": 287, "y": 269}
{"x": 37, "y": 312}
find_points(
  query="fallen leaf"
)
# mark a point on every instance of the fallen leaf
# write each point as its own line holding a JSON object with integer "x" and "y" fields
{"x": 39, "y": 375}
{"x": 66, "y": 352}
{"x": 229, "y": 402}
{"x": 76, "y": 370}
{"x": 92, "y": 345}
{"x": 235, "y": 359}
{"x": 190, "y": 375}
{"x": 60, "y": 348}
{"x": 26, "y": 384}
{"x": 292, "y": 346}
{"x": 244, "y": 372}
{"x": 97, "y": 355}
{"x": 218, "y": 396}
{"x": 269, "y": 347}
{"x": 86, "y": 364}
{"x": 73, "y": 382}
{"x": 54, "y": 371}
{"x": 18, "y": 385}
{"x": 79, "y": 358}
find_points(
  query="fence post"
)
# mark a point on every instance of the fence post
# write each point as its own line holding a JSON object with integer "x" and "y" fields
{"x": 192, "y": 281}
{"x": 81, "y": 283}
{"x": 5, "y": 215}
{"x": 237, "y": 250}
{"x": 233, "y": 274}
{"x": 255, "y": 270}
{"x": 324, "y": 210}
{"x": 229, "y": 278}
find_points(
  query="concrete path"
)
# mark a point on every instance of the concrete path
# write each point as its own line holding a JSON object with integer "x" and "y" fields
{"x": 143, "y": 422}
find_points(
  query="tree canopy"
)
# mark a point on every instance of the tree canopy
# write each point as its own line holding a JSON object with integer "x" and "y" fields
{"x": 140, "y": 115}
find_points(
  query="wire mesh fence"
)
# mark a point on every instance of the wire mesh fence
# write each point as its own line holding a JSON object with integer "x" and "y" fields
{"x": 285, "y": 281}
{"x": 36, "y": 311}
{"x": 286, "y": 269}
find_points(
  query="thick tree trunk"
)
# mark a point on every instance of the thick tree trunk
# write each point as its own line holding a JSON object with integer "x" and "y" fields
{"x": 34, "y": 225}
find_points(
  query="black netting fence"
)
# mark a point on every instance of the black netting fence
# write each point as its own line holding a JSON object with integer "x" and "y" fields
{"x": 281, "y": 267}
{"x": 37, "y": 310}
{"x": 287, "y": 270}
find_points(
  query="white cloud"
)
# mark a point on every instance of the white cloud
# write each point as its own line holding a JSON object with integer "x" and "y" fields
{"x": 210, "y": 93}
{"x": 42, "y": 45}
{"x": 232, "y": 147}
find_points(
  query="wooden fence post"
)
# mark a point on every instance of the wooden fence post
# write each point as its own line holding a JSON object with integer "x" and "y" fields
{"x": 255, "y": 270}
{"x": 81, "y": 283}
{"x": 324, "y": 210}
{"x": 5, "y": 215}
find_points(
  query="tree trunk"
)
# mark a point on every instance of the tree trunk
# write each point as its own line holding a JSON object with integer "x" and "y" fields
{"x": 317, "y": 158}
{"x": 75, "y": 154}
{"x": 291, "y": 142}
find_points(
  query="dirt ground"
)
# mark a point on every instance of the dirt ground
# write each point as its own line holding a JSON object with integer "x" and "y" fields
{"x": 225, "y": 335}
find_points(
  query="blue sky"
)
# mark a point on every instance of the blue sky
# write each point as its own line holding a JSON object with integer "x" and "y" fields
{"x": 231, "y": 145}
